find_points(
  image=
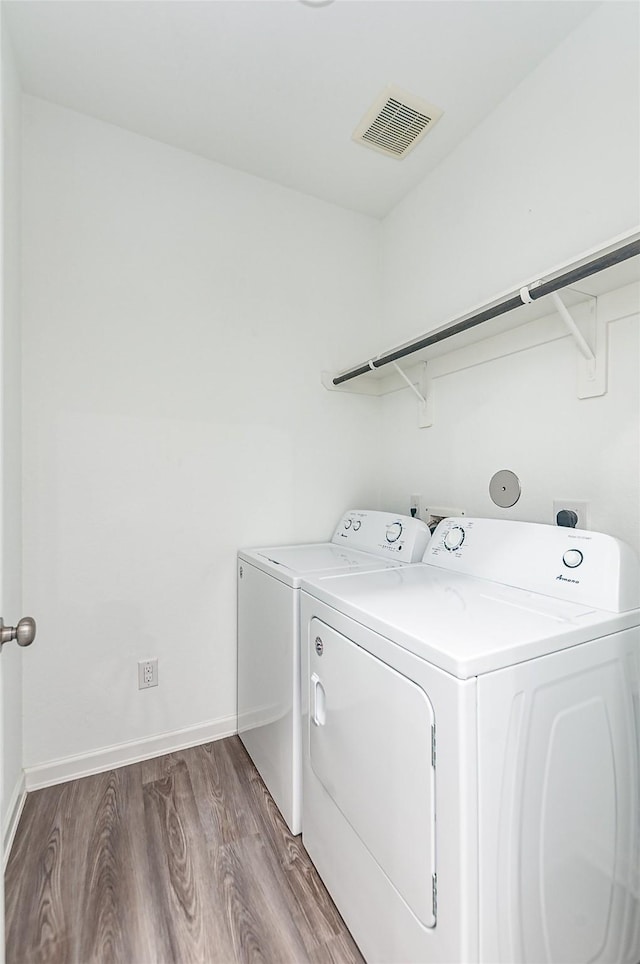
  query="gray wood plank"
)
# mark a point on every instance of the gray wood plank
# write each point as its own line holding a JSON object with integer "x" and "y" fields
{"x": 112, "y": 922}
{"x": 319, "y": 920}
{"x": 187, "y": 922}
{"x": 256, "y": 906}
{"x": 37, "y": 917}
{"x": 341, "y": 949}
{"x": 220, "y": 794}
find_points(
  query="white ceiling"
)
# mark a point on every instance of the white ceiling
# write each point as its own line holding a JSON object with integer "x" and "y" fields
{"x": 276, "y": 87}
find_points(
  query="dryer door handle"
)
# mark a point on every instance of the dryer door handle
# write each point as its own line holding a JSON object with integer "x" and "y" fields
{"x": 319, "y": 701}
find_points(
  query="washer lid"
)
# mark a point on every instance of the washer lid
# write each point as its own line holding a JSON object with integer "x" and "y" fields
{"x": 464, "y": 625}
{"x": 290, "y": 563}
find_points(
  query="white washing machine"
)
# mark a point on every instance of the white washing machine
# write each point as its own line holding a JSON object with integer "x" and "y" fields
{"x": 471, "y": 745}
{"x": 269, "y": 721}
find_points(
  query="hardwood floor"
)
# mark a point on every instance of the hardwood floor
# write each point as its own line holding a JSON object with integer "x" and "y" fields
{"x": 183, "y": 859}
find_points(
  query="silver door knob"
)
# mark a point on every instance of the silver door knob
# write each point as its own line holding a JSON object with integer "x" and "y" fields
{"x": 24, "y": 633}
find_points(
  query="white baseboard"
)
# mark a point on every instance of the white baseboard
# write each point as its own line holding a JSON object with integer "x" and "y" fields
{"x": 14, "y": 811}
{"x": 122, "y": 754}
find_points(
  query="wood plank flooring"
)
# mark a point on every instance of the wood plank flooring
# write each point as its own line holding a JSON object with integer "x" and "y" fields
{"x": 183, "y": 859}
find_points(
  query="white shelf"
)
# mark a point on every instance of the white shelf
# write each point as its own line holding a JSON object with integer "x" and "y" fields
{"x": 522, "y": 327}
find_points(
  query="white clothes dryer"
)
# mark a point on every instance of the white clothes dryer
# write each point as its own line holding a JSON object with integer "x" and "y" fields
{"x": 471, "y": 747}
{"x": 269, "y": 721}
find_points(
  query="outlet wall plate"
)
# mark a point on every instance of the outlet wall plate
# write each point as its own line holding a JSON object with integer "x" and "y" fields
{"x": 419, "y": 503}
{"x": 580, "y": 507}
{"x": 147, "y": 673}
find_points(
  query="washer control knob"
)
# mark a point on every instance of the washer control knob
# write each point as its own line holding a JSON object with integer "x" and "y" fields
{"x": 572, "y": 558}
{"x": 454, "y": 538}
{"x": 347, "y": 523}
{"x": 356, "y": 525}
{"x": 394, "y": 531}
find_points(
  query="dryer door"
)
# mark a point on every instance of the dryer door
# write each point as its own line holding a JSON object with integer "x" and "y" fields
{"x": 370, "y": 740}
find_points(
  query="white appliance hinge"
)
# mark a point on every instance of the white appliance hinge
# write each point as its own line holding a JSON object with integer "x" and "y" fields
{"x": 433, "y": 745}
{"x": 434, "y": 894}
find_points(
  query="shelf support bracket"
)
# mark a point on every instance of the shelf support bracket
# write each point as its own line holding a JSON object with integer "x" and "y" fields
{"x": 425, "y": 415}
{"x": 592, "y": 360}
{"x": 409, "y": 383}
{"x": 583, "y": 346}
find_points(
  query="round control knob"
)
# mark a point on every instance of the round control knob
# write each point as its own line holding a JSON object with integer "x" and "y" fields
{"x": 454, "y": 538}
{"x": 356, "y": 525}
{"x": 347, "y": 523}
{"x": 572, "y": 558}
{"x": 394, "y": 531}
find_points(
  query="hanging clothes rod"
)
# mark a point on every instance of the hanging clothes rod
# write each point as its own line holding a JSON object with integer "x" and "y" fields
{"x": 530, "y": 293}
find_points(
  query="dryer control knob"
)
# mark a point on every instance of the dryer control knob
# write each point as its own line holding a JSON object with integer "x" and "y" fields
{"x": 572, "y": 558}
{"x": 454, "y": 538}
{"x": 347, "y": 523}
{"x": 394, "y": 531}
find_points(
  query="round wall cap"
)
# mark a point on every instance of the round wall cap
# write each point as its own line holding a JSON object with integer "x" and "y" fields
{"x": 504, "y": 488}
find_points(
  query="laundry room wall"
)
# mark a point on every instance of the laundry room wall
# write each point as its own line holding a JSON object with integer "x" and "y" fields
{"x": 552, "y": 172}
{"x": 11, "y": 567}
{"x": 177, "y": 317}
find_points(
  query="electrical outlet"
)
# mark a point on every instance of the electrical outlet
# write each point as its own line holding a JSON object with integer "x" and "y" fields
{"x": 436, "y": 513}
{"x": 147, "y": 673}
{"x": 581, "y": 509}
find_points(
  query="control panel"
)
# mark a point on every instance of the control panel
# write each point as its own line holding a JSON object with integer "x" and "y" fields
{"x": 585, "y": 567}
{"x": 383, "y": 533}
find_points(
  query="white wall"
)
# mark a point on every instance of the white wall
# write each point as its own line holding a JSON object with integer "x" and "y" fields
{"x": 11, "y": 566}
{"x": 552, "y": 172}
{"x": 177, "y": 317}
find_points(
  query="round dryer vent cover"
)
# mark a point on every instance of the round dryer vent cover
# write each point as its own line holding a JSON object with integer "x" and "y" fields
{"x": 504, "y": 488}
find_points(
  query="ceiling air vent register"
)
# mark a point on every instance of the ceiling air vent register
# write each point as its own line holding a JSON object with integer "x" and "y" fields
{"x": 396, "y": 122}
